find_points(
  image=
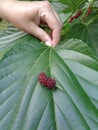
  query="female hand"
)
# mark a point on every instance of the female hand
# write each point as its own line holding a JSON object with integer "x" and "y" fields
{"x": 27, "y": 16}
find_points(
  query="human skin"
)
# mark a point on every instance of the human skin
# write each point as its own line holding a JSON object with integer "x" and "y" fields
{"x": 27, "y": 16}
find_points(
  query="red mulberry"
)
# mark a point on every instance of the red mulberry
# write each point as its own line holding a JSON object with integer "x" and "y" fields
{"x": 47, "y": 82}
{"x": 75, "y": 16}
{"x": 71, "y": 19}
{"x": 89, "y": 10}
{"x": 51, "y": 83}
{"x": 78, "y": 14}
{"x": 42, "y": 78}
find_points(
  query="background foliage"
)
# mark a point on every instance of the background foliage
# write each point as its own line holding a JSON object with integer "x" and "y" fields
{"x": 24, "y": 103}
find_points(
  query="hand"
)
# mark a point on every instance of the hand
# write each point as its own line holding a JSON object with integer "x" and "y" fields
{"x": 27, "y": 16}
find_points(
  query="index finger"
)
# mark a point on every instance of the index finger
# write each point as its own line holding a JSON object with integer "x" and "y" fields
{"x": 51, "y": 18}
{"x": 55, "y": 26}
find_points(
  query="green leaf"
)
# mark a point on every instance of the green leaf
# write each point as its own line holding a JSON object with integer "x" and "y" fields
{"x": 78, "y": 51}
{"x": 8, "y": 36}
{"x": 26, "y": 105}
{"x": 87, "y": 33}
{"x": 73, "y": 5}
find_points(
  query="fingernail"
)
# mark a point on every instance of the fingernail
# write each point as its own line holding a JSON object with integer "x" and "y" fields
{"x": 48, "y": 43}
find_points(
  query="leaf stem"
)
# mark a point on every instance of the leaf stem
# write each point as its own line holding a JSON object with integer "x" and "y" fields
{"x": 50, "y": 60}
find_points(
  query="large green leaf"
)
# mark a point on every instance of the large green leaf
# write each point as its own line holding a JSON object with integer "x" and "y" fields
{"x": 26, "y": 105}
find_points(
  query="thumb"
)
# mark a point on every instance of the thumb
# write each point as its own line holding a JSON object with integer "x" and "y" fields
{"x": 41, "y": 34}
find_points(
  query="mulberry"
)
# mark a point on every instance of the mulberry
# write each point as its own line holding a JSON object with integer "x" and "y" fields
{"x": 42, "y": 78}
{"x": 89, "y": 10}
{"x": 78, "y": 14}
{"x": 71, "y": 19}
{"x": 51, "y": 83}
{"x": 75, "y": 16}
{"x": 47, "y": 82}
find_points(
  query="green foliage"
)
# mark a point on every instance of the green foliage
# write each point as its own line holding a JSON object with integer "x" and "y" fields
{"x": 24, "y": 103}
{"x": 73, "y": 4}
{"x": 83, "y": 27}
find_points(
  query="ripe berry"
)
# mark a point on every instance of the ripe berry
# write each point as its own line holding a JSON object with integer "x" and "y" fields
{"x": 89, "y": 10}
{"x": 51, "y": 83}
{"x": 71, "y": 19}
{"x": 42, "y": 78}
{"x": 78, "y": 14}
{"x": 47, "y": 82}
{"x": 75, "y": 16}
